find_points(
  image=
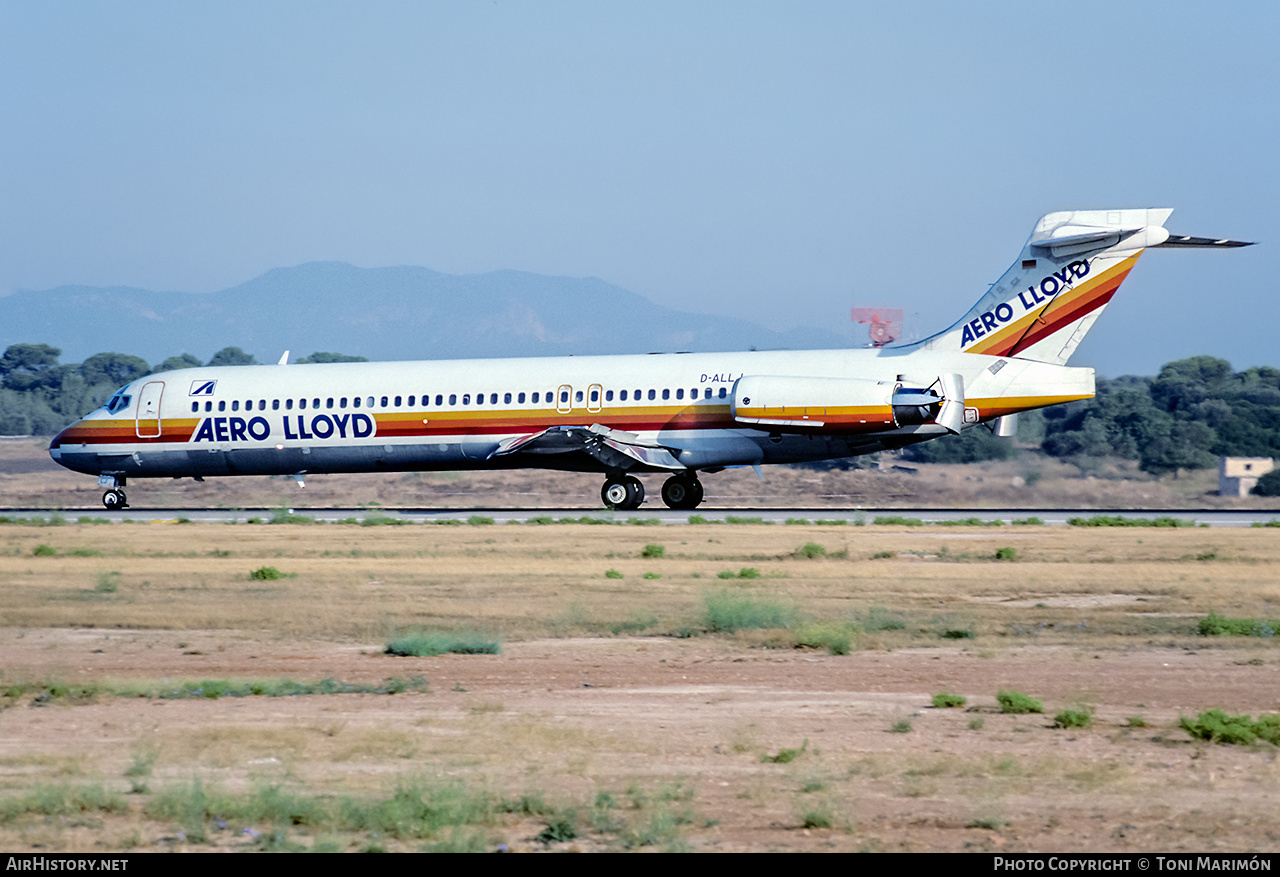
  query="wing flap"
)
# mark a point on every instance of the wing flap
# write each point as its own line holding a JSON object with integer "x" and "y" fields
{"x": 613, "y": 447}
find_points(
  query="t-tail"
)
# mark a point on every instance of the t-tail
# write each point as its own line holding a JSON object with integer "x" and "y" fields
{"x": 1067, "y": 273}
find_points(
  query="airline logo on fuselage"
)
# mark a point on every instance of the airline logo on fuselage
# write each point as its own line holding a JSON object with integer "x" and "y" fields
{"x": 1032, "y": 298}
{"x": 202, "y": 388}
{"x": 259, "y": 429}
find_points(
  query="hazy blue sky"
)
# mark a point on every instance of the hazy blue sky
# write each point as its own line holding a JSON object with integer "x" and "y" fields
{"x": 777, "y": 160}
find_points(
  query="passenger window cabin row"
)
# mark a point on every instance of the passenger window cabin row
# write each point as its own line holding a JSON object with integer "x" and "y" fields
{"x": 392, "y": 402}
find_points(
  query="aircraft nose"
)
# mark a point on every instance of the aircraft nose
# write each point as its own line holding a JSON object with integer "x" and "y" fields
{"x": 66, "y": 437}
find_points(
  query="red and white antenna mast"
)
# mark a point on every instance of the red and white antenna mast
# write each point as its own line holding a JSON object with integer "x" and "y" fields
{"x": 884, "y": 324}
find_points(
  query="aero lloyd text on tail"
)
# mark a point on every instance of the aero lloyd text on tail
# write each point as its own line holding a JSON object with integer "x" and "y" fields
{"x": 680, "y": 415}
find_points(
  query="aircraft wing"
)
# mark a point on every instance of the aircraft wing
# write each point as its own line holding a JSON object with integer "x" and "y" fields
{"x": 613, "y": 447}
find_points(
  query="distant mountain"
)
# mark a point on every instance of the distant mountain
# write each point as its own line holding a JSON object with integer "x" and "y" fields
{"x": 379, "y": 313}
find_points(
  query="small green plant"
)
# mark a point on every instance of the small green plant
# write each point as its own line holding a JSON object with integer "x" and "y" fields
{"x": 837, "y": 639}
{"x": 1122, "y": 521}
{"x": 429, "y": 643}
{"x": 1081, "y": 718}
{"x": 942, "y": 700}
{"x": 797, "y": 522}
{"x": 479, "y": 521}
{"x": 43, "y": 550}
{"x": 958, "y": 633}
{"x": 810, "y": 550}
{"x": 1028, "y": 522}
{"x": 726, "y": 612}
{"x": 698, "y": 519}
{"x": 1006, "y": 554}
{"x": 897, "y": 521}
{"x": 882, "y": 555}
{"x": 652, "y": 575}
{"x": 1217, "y": 726}
{"x": 560, "y": 828}
{"x": 739, "y": 519}
{"x": 977, "y": 724}
{"x": 818, "y": 817}
{"x": 266, "y": 574}
{"x": 786, "y": 756}
{"x": 652, "y": 550}
{"x": 612, "y": 574}
{"x": 1216, "y": 625}
{"x": 1018, "y": 703}
{"x": 108, "y": 582}
{"x": 1135, "y": 722}
{"x": 902, "y": 726}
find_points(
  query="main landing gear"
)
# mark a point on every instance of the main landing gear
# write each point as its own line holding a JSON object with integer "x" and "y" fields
{"x": 114, "y": 500}
{"x": 626, "y": 493}
{"x": 622, "y": 492}
{"x": 682, "y": 492}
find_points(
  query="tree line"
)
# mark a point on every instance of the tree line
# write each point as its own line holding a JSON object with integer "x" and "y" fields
{"x": 1194, "y": 411}
{"x": 39, "y": 395}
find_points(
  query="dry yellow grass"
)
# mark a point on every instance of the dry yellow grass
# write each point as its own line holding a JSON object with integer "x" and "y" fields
{"x": 586, "y": 699}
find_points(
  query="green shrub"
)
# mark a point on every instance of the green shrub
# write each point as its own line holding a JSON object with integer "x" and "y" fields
{"x": 1028, "y": 522}
{"x": 1017, "y": 702}
{"x": 785, "y": 756}
{"x": 738, "y": 519}
{"x": 1121, "y": 521}
{"x": 612, "y": 574}
{"x": 897, "y": 521}
{"x": 902, "y": 726}
{"x": 429, "y": 643}
{"x": 943, "y": 700}
{"x": 479, "y": 521}
{"x": 1217, "y": 726}
{"x": 726, "y": 612}
{"x": 958, "y": 633}
{"x": 382, "y": 521}
{"x": 652, "y": 575}
{"x": 797, "y": 522}
{"x": 876, "y": 620}
{"x": 836, "y": 639}
{"x": 747, "y": 572}
{"x": 266, "y": 574}
{"x": 811, "y": 550}
{"x": 1006, "y": 554}
{"x": 108, "y": 582}
{"x": 1216, "y": 625}
{"x": 882, "y": 555}
{"x": 652, "y": 550}
{"x": 44, "y": 551}
{"x": 1081, "y": 718}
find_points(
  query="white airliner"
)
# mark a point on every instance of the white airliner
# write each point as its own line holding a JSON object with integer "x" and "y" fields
{"x": 678, "y": 414}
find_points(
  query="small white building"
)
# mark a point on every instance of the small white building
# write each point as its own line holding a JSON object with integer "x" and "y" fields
{"x": 1238, "y": 475}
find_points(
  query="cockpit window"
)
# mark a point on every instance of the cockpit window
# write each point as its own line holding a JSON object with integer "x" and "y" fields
{"x": 118, "y": 403}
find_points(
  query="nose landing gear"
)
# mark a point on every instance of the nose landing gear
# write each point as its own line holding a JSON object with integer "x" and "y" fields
{"x": 114, "y": 500}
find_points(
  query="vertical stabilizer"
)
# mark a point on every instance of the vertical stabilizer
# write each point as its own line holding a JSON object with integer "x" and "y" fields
{"x": 1066, "y": 274}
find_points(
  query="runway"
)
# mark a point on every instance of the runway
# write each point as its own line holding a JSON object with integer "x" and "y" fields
{"x": 655, "y": 516}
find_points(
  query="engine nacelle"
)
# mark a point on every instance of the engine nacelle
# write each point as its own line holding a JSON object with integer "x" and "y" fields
{"x": 845, "y": 405}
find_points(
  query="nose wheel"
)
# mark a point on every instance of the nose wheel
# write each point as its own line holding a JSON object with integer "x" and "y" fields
{"x": 113, "y": 500}
{"x": 623, "y": 493}
{"x": 682, "y": 492}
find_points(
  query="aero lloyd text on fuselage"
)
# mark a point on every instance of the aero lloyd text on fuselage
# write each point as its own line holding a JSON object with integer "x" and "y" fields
{"x": 1031, "y": 298}
{"x": 293, "y": 427}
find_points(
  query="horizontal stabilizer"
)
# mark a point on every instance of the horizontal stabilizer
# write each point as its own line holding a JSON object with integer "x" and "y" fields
{"x": 1179, "y": 240}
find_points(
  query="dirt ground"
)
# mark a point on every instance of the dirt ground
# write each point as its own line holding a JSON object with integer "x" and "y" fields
{"x": 586, "y": 705}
